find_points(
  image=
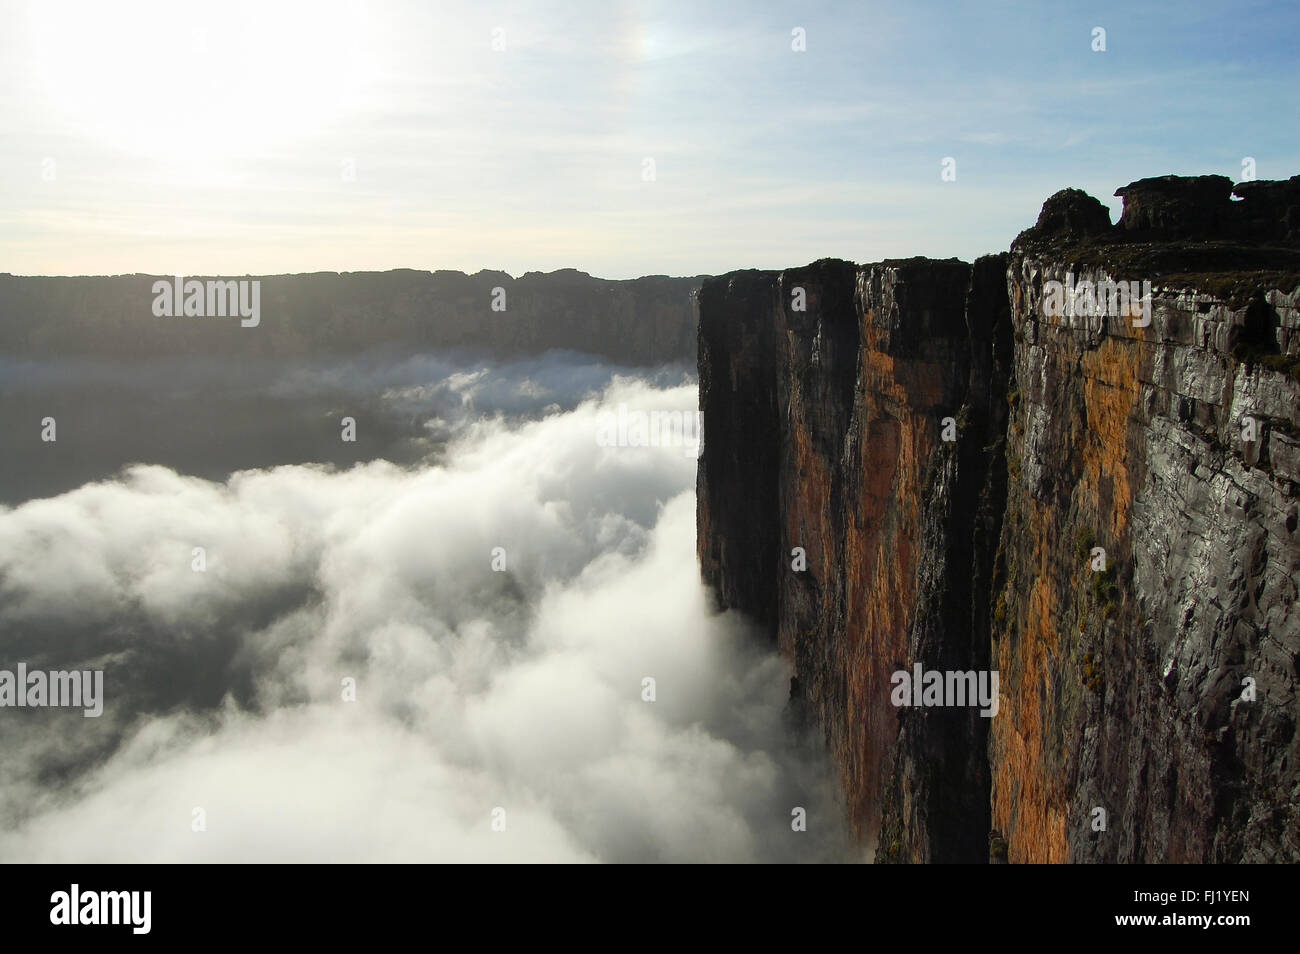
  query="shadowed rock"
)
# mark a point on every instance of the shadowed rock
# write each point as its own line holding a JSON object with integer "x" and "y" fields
{"x": 1069, "y": 214}
{"x": 644, "y": 321}
{"x": 1270, "y": 209}
{"x": 1177, "y": 206}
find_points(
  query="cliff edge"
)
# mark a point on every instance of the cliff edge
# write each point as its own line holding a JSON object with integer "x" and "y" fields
{"x": 1014, "y": 466}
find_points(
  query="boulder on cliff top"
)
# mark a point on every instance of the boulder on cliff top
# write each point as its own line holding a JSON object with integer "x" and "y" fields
{"x": 1170, "y": 209}
{"x": 1068, "y": 214}
{"x": 1269, "y": 209}
{"x": 1177, "y": 206}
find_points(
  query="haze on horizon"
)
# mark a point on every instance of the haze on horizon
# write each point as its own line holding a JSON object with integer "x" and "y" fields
{"x": 262, "y": 138}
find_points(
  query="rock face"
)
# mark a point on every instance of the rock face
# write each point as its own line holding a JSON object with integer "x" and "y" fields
{"x": 1176, "y": 207}
{"x": 1160, "y": 689}
{"x": 822, "y": 433}
{"x": 641, "y": 321}
{"x": 1070, "y": 213}
{"x": 1271, "y": 210}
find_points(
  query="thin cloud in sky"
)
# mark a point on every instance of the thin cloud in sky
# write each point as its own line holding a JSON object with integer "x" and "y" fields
{"x": 253, "y": 138}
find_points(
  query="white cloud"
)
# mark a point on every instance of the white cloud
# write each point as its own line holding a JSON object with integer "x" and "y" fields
{"x": 475, "y": 689}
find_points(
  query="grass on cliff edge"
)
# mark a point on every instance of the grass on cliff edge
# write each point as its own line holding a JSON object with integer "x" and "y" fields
{"x": 1230, "y": 271}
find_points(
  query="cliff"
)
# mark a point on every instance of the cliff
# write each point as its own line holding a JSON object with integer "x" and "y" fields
{"x": 1161, "y": 688}
{"x": 640, "y": 321}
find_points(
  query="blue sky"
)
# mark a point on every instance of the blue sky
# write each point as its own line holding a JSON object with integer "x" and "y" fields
{"x": 258, "y": 137}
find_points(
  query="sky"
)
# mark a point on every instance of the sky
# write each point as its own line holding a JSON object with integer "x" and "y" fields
{"x": 620, "y": 138}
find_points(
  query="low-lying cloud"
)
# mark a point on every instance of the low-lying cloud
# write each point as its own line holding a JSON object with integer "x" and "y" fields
{"x": 475, "y": 689}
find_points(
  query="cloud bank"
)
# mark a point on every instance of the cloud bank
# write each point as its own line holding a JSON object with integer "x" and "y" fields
{"x": 476, "y": 689}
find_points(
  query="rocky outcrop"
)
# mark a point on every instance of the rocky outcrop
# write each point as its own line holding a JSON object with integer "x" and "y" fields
{"x": 823, "y": 434}
{"x": 639, "y": 321}
{"x": 1177, "y": 206}
{"x": 1069, "y": 214}
{"x": 1160, "y": 691}
{"x": 1270, "y": 210}
{"x": 1182, "y": 207}
{"x": 1148, "y": 695}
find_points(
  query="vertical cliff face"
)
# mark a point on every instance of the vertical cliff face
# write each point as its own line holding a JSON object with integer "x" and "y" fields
{"x": 1160, "y": 689}
{"x": 822, "y": 429}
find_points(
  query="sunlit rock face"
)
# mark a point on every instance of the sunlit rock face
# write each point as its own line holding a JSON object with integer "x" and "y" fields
{"x": 1148, "y": 692}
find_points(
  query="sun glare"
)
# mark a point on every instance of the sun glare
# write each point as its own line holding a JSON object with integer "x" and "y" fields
{"x": 200, "y": 81}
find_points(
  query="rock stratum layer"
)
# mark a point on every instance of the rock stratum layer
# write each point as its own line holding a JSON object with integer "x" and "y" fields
{"x": 1161, "y": 689}
{"x": 641, "y": 321}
